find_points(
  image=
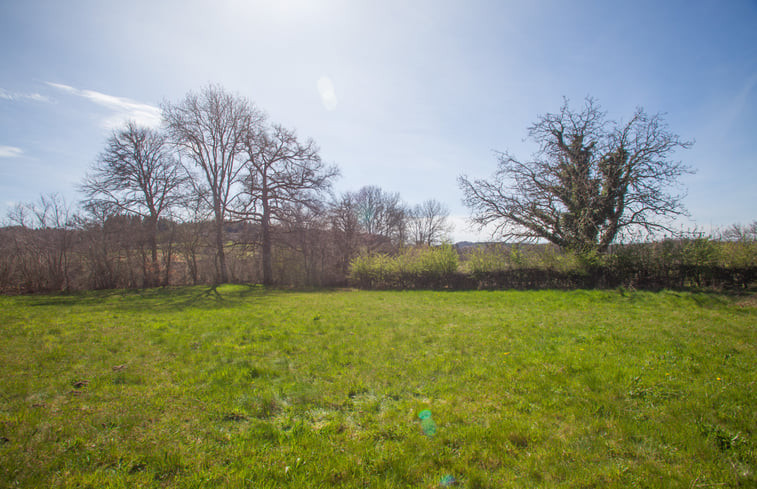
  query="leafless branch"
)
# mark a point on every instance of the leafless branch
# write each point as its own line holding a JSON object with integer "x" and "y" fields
{"x": 591, "y": 181}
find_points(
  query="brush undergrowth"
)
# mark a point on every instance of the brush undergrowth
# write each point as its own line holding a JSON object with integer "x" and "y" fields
{"x": 412, "y": 265}
{"x": 247, "y": 387}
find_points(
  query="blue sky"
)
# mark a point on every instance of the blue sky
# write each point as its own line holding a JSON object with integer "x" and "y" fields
{"x": 406, "y": 95}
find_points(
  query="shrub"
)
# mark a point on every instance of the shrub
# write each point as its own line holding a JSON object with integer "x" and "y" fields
{"x": 418, "y": 267}
{"x": 738, "y": 254}
{"x": 670, "y": 263}
{"x": 495, "y": 258}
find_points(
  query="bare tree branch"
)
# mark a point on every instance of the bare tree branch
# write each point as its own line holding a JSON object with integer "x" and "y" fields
{"x": 591, "y": 181}
{"x": 428, "y": 223}
{"x": 136, "y": 174}
{"x": 210, "y": 130}
{"x": 282, "y": 174}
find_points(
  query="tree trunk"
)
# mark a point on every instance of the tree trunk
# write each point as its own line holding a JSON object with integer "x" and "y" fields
{"x": 168, "y": 254}
{"x": 266, "y": 245}
{"x": 221, "y": 275}
{"x": 153, "y": 271}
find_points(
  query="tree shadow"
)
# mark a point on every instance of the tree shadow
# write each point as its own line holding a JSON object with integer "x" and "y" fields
{"x": 161, "y": 299}
{"x": 209, "y": 297}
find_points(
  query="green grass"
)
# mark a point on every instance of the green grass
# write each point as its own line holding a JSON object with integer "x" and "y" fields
{"x": 246, "y": 387}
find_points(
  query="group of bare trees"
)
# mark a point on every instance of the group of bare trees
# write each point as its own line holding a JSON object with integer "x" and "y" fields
{"x": 37, "y": 249}
{"x": 220, "y": 193}
{"x": 217, "y": 182}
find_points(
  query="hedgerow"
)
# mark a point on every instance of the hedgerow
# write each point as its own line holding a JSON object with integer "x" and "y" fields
{"x": 674, "y": 264}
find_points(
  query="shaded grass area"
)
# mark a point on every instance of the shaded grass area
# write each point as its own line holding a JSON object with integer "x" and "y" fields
{"x": 248, "y": 387}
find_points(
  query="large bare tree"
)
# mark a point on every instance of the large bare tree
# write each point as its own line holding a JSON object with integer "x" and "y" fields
{"x": 210, "y": 129}
{"x": 591, "y": 181}
{"x": 282, "y": 174}
{"x": 136, "y": 174}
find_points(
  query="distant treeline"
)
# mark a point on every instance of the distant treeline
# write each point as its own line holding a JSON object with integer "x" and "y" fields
{"x": 116, "y": 253}
{"x": 220, "y": 193}
{"x": 49, "y": 245}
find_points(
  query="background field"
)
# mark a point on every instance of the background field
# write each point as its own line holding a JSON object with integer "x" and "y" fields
{"x": 247, "y": 387}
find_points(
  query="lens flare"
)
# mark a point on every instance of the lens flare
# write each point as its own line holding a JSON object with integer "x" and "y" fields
{"x": 447, "y": 481}
{"x": 327, "y": 93}
{"x": 427, "y": 423}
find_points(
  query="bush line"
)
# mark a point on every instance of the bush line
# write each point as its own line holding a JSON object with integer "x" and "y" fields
{"x": 672, "y": 264}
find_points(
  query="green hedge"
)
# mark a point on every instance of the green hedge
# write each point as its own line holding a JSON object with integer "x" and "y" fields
{"x": 408, "y": 269}
{"x": 671, "y": 264}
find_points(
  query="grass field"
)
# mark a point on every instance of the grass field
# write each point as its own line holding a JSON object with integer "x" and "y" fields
{"x": 246, "y": 387}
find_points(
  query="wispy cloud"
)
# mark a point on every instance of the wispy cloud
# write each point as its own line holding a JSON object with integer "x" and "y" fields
{"x": 16, "y": 96}
{"x": 122, "y": 108}
{"x": 10, "y": 152}
{"x": 60, "y": 86}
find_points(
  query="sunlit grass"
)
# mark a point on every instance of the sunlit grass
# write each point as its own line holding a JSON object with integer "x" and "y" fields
{"x": 247, "y": 387}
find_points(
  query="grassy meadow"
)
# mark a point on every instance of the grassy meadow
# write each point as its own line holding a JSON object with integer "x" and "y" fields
{"x": 246, "y": 387}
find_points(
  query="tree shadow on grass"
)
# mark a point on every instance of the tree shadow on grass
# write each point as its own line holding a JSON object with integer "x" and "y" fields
{"x": 157, "y": 299}
{"x": 207, "y": 296}
{"x": 203, "y": 297}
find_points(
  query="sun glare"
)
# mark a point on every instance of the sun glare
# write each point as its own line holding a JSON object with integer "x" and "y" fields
{"x": 327, "y": 93}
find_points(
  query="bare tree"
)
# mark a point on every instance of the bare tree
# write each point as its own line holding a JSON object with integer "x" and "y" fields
{"x": 741, "y": 233}
{"x": 381, "y": 214}
{"x": 345, "y": 230}
{"x": 282, "y": 173}
{"x": 136, "y": 174}
{"x": 210, "y": 129}
{"x": 428, "y": 223}
{"x": 590, "y": 181}
{"x": 305, "y": 234}
{"x": 43, "y": 242}
{"x": 192, "y": 235}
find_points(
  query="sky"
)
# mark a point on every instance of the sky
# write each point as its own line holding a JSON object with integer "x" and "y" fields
{"x": 406, "y": 95}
